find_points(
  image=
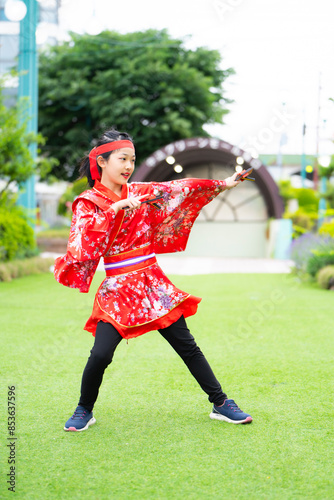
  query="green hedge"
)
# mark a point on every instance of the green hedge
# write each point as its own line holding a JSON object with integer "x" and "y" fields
{"x": 17, "y": 239}
{"x": 318, "y": 260}
{"x": 73, "y": 190}
{"x": 327, "y": 228}
{"x": 24, "y": 267}
{"x": 325, "y": 278}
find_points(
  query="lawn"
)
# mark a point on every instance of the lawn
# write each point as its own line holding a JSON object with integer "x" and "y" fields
{"x": 269, "y": 340}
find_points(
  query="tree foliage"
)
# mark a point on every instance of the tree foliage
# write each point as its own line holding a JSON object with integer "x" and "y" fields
{"x": 327, "y": 171}
{"x": 144, "y": 83}
{"x": 16, "y": 162}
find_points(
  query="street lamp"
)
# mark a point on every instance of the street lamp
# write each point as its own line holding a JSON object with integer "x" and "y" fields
{"x": 15, "y": 10}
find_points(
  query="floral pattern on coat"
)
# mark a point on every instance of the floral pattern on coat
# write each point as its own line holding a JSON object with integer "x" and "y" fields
{"x": 141, "y": 298}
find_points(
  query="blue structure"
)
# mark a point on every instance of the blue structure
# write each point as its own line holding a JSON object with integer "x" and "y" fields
{"x": 28, "y": 88}
{"x": 283, "y": 239}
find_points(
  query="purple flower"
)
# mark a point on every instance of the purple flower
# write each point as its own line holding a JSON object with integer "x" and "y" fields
{"x": 166, "y": 301}
{"x": 302, "y": 248}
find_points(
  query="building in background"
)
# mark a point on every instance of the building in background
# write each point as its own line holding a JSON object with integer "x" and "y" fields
{"x": 290, "y": 167}
{"x": 47, "y": 34}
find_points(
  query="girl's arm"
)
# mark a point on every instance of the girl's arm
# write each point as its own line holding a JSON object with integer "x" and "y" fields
{"x": 231, "y": 181}
{"x": 90, "y": 231}
{"x": 130, "y": 203}
{"x": 198, "y": 192}
{"x": 91, "y": 228}
{"x": 182, "y": 201}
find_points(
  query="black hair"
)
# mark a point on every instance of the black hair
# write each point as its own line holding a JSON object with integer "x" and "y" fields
{"x": 108, "y": 136}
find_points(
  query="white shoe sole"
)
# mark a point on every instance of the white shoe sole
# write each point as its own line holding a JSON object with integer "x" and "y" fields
{"x": 216, "y": 416}
{"x": 72, "y": 429}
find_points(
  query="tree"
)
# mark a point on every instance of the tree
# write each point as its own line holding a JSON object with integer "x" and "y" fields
{"x": 144, "y": 83}
{"x": 327, "y": 171}
{"x": 16, "y": 162}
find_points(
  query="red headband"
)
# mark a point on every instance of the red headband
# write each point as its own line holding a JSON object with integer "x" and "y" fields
{"x": 105, "y": 148}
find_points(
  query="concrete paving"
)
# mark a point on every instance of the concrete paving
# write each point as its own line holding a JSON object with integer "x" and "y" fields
{"x": 184, "y": 265}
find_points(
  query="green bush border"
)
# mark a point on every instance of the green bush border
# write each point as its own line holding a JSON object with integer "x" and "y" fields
{"x": 24, "y": 267}
{"x": 325, "y": 278}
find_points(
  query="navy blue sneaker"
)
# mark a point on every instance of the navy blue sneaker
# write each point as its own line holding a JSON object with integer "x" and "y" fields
{"x": 230, "y": 412}
{"x": 80, "y": 420}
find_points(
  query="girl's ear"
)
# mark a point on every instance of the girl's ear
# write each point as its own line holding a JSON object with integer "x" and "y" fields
{"x": 100, "y": 161}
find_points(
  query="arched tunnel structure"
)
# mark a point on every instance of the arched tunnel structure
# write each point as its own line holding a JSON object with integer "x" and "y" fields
{"x": 235, "y": 224}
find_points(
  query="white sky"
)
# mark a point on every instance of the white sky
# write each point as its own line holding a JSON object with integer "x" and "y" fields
{"x": 280, "y": 50}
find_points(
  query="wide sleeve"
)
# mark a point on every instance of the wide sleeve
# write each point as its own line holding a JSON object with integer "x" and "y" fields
{"x": 193, "y": 193}
{"x": 180, "y": 206}
{"x": 90, "y": 232}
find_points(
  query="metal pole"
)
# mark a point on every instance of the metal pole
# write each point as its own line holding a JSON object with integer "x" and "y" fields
{"x": 28, "y": 88}
{"x": 316, "y": 164}
{"x": 322, "y": 201}
{"x": 303, "y": 169}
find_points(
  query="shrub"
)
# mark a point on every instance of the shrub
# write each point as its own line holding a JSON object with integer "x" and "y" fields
{"x": 327, "y": 171}
{"x": 17, "y": 239}
{"x": 326, "y": 278}
{"x": 24, "y": 267}
{"x": 55, "y": 232}
{"x": 302, "y": 221}
{"x": 308, "y": 199}
{"x": 286, "y": 191}
{"x": 302, "y": 248}
{"x": 305, "y": 218}
{"x": 66, "y": 200}
{"x": 329, "y": 195}
{"x": 327, "y": 228}
{"x": 319, "y": 259}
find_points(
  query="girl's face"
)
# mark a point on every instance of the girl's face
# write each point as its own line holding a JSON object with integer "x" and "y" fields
{"x": 117, "y": 170}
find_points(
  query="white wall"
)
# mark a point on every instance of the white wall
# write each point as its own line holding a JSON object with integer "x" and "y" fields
{"x": 228, "y": 239}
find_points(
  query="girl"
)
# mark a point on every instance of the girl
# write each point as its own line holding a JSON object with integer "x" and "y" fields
{"x": 127, "y": 224}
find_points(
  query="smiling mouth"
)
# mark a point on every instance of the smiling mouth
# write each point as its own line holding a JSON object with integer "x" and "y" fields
{"x": 126, "y": 175}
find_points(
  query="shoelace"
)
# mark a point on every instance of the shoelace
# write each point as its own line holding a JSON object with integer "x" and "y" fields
{"x": 234, "y": 407}
{"x": 79, "y": 413}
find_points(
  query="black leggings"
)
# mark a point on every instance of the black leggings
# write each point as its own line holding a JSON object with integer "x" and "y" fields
{"x": 179, "y": 337}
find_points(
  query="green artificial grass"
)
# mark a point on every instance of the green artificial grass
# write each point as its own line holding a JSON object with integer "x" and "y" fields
{"x": 269, "y": 341}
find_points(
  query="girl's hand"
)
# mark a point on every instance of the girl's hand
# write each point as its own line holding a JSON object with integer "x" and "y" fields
{"x": 130, "y": 203}
{"x": 231, "y": 182}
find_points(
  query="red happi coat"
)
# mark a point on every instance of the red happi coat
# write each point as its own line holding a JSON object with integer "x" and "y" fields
{"x": 134, "y": 300}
